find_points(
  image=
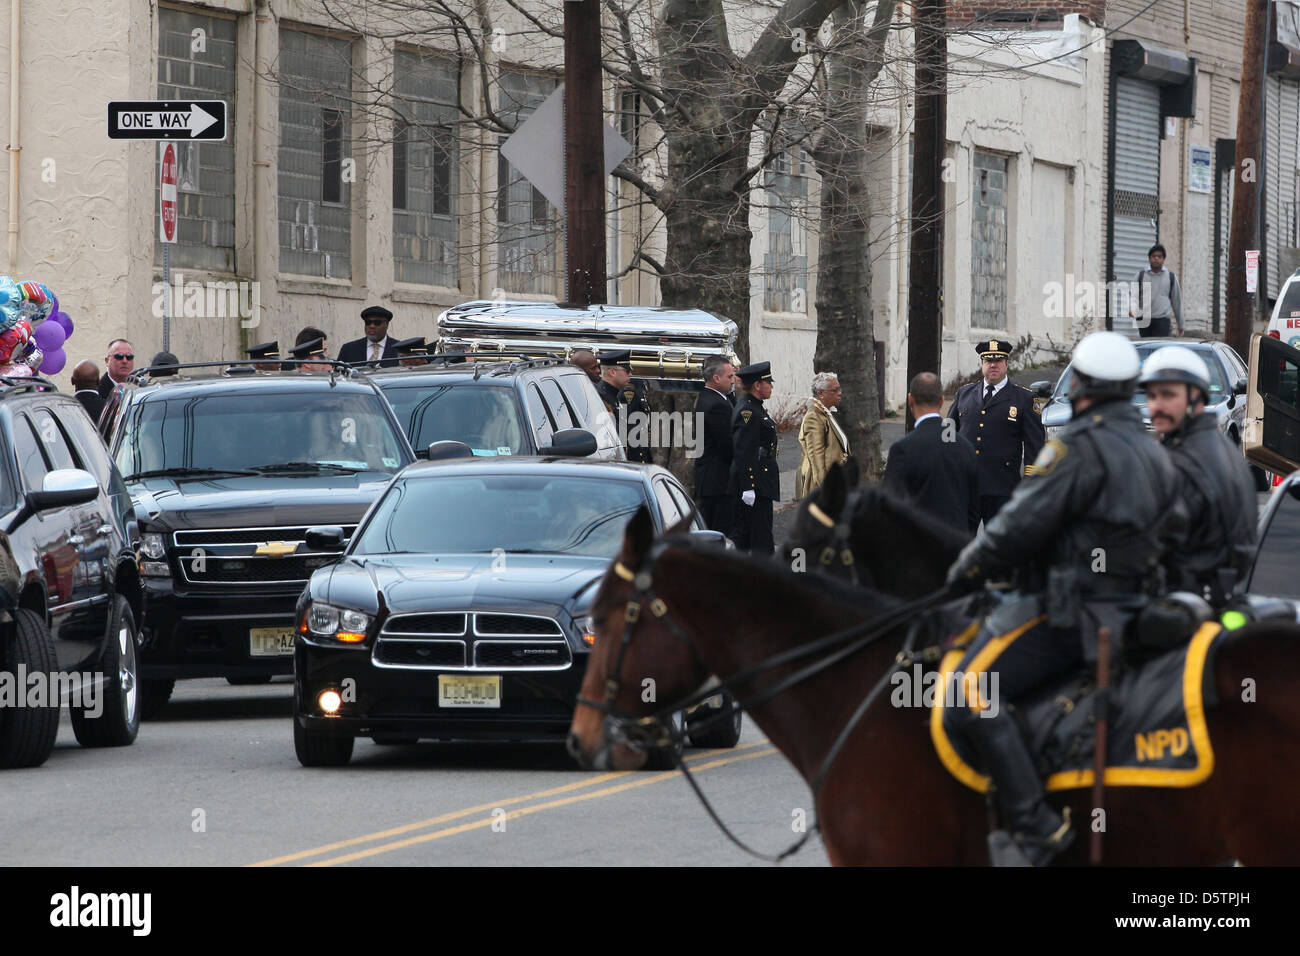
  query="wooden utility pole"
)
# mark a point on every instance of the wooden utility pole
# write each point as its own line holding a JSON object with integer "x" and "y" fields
{"x": 584, "y": 155}
{"x": 924, "y": 306}
{"x": 1246, "y": 177}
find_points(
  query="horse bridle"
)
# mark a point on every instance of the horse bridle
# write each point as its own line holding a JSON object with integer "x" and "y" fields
{"x": 653, "y": 731}
{"x": 839, "y": 546}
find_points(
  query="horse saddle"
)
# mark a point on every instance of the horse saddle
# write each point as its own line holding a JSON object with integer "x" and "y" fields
{"x": 1157, "y": 735}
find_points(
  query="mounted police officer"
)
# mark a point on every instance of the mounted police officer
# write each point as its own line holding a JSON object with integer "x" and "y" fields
{"x": 755, "y": 475}
{"x": 998, "y": 417}
{"x": 617, "y": 388}
{"x": 1085, "y": 534}
{"x": 1217, "y": 489}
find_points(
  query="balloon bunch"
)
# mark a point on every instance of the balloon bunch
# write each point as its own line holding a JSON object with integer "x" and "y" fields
{"x": 32, "y": 329}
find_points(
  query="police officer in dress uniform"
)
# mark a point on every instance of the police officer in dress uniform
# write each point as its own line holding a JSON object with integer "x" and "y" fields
{"x": 755, "y": 475}
{"x": 1214, "y": 480}
{"x": 412, "y": 351}
{"x": 617, "y": 388}
{"x": 265, "y": 356}
{"x": 1000, "y": 420}
{"x": 1102, "y": 484}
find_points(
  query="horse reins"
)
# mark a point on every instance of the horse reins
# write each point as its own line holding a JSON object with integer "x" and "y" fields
{"x": 653, "y": 731}
{"x": 841, "y": 533}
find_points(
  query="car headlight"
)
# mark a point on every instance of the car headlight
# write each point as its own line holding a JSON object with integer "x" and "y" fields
{"x": 152, "y": 546}
{"x": 587, "y": 629}
{"x": 340, "y": 624}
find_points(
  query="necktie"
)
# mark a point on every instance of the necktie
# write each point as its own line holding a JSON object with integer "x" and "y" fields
{"x": 374, "y": 351}
{"x": 988, "y": 395}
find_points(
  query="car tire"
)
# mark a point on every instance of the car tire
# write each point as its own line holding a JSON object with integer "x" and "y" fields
{"x": 721, "y": 734}
{"x": 249, "y": 681}
{"x": 669, "y": 758}
{"x": 319, "y": 750}
{"x": 154, "y": 695}
{"x": 119, "y": 711}
{"x": 27, "y": 734}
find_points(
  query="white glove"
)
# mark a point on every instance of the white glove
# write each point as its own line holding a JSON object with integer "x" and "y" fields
{"x": 748, "y": 497}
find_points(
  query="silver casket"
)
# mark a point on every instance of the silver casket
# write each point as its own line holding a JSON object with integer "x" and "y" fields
{"x": 666, "y": 344}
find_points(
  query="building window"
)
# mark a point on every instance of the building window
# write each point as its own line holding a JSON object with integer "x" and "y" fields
{"x": 528, "y": 236}
{"x": 785, "y": 265}
{"x": 315, "y": 168}
{"x": 200, "y": 66}
{"x": 988, "y": 264}
{"x": 425, "y": 168}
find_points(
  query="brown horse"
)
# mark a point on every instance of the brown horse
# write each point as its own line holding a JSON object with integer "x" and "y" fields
{"x": 887, "y": 800}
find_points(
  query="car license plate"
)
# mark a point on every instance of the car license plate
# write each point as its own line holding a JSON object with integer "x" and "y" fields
{"x": 270, "y": 641}
{"x": 457, "y": 690}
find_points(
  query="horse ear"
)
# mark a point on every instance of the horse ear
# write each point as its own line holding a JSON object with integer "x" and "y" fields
{"x": 637, "y": 538}
{"x": 681, "y": 527}
{"x": 834, "y": 490}
{"x": 852, "y": 473}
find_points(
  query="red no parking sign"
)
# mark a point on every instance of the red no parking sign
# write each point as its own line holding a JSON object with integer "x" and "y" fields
{"x": 167, "y": 193}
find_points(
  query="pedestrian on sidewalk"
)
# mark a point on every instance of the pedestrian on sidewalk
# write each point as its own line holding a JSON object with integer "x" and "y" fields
{"x": 1160, "y": 298}
{"x": 822, "y": 441}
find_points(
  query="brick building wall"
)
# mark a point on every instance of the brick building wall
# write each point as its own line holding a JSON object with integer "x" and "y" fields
{"x": 1024, "y": 14}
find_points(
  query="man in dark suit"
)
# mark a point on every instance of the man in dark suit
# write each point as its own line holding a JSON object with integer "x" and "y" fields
{"x": 85, "y": 388}
{"x": 376, "y": 346}
{"x": 713, "y": 412}
{"x": 616, "y": 388}
{"x": 934, "y": 466}
{"x": 1000, "y": 420}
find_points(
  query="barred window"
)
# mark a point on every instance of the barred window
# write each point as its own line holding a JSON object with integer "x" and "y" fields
{"x": 528, "y": 236}
{"x": 195, "y": 65}
{"x": 316, "y": 168}
{"x": 785, "y": 264}
{"x": 988, "y": 261}
{"x": 425, "y": 170}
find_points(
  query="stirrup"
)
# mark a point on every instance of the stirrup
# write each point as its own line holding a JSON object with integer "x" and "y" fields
{"x": 1020, "y": 849}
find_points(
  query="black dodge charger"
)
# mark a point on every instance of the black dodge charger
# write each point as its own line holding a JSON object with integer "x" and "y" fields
{"x": 459, "y": 608}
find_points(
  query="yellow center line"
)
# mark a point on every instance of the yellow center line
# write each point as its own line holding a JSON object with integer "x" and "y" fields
{"x": 538, "y": 808}
{"x": 481, "y": 808}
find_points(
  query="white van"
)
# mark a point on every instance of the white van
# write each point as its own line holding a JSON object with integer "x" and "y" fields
{"x": 1284, "y": 324}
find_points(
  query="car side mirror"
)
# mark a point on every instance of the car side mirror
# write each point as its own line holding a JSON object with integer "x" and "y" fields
{"x": 1239, "y": 386}
{"x": 442, "y": 450}
{"x": 570, "y": 443}
{"x": 327, "y": 538}
{"x": 61, "y": 488}
{"x": 710, "y": 537}
{"x": 1041, "y": 389}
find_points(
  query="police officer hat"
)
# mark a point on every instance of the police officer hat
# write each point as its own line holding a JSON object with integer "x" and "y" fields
{"x": 993, "y": 349}
{"x": 308, "y": 349}
{"x": 266, "y": 350}
{"x": 758, "y": 372}
{"x": 376, "y": 312}
{"x": 623, "y": 358}
{"x": 412, "y": 346}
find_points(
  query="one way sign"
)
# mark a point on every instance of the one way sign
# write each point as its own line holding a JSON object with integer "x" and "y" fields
{"x": 151, "y": 119}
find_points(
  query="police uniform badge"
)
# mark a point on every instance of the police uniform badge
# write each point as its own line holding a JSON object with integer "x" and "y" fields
{"x": 628, "y": 395}
{"x": 1011, "y": 412}
{"x": 1051, "y": 455}
{"x": 746, "y": 415}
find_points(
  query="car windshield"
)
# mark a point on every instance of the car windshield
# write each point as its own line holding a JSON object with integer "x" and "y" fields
{"x": 514, "y": 513}
{"x": 260, "y": 432}
{"x": 484, "y": 417}
{"x": 1218, "y": 381}
{"x": 1274, "y": 574}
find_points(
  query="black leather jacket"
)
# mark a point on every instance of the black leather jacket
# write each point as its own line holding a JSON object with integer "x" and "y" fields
{"x": 1219, "y": 495}
{"x": 1096, "y": 515}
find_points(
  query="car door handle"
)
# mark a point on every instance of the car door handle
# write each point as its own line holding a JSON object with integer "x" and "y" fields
{"x": 77, "y": 539}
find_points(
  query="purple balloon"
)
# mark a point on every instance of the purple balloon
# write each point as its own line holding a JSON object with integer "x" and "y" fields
{"x": 54, "y": 361}
{"x": 49, "y": 336}
{"x": 64, "y": 320}
{"x": 54, "y": 303}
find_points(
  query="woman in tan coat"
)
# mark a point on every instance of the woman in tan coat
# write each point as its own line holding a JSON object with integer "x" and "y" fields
{"x": 820, "y": 436}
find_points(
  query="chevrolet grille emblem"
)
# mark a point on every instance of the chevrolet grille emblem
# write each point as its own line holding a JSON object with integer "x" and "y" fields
{"x": 276, "y": 549}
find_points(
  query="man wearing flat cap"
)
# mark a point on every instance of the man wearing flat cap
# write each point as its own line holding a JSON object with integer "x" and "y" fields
{"x": 376, "y": 346}
{"x": 999, "y": 419}
{"x": 755, "y": 474}
{"x": 616, "y": 389}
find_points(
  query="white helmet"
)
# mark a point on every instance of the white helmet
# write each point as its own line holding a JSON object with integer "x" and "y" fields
{"x": 1104, "y": 365}
{"x": 1177, "y": 363}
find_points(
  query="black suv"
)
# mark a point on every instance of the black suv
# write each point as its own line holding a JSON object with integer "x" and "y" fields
{"x": 228, "y": 466}
{"x": 523, "y": 407}
{"x": 69, "y": 591}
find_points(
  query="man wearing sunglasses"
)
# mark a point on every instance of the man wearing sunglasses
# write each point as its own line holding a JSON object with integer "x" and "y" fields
{"x": 377, "y": 346}
{"x": 120, "y": 360}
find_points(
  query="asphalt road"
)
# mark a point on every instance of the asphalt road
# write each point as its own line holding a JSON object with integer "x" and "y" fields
{"x": 215, "y": 782}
